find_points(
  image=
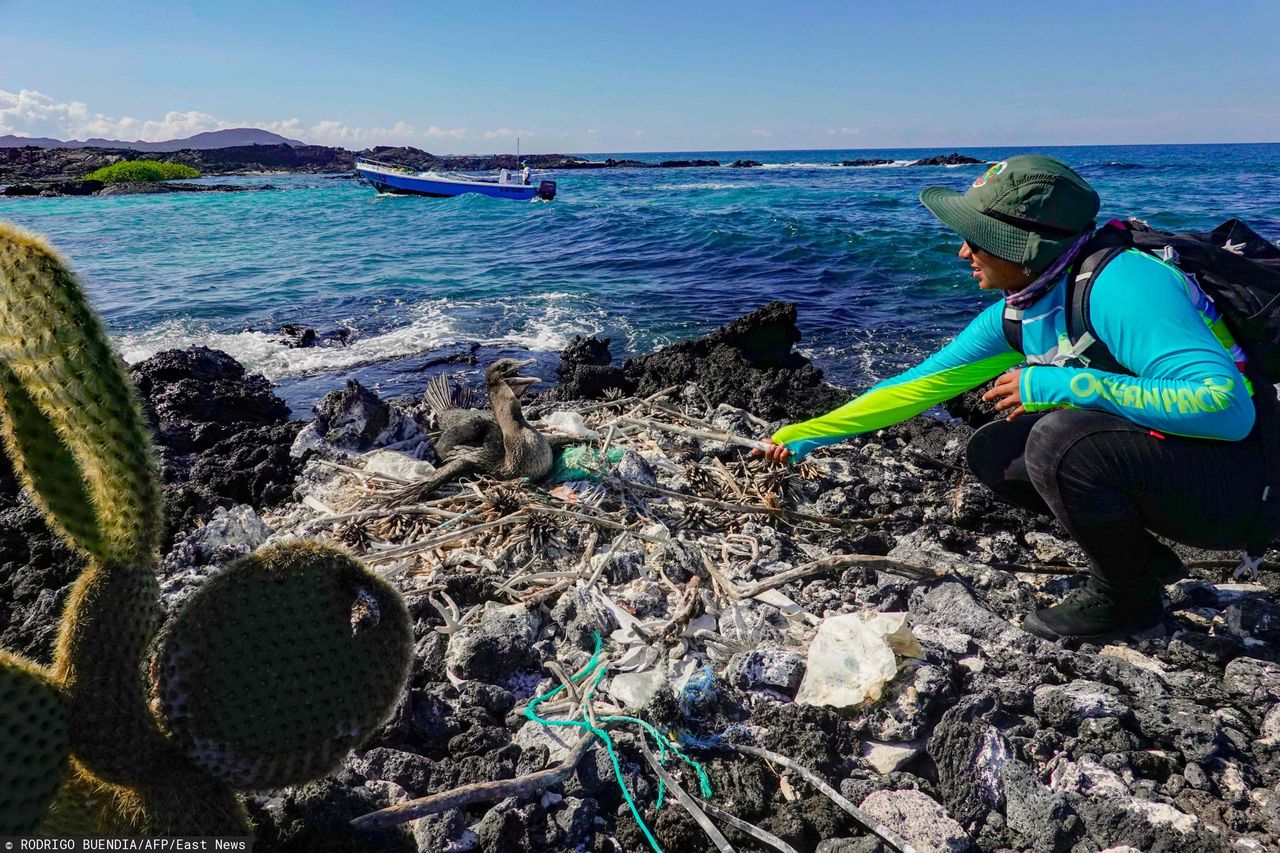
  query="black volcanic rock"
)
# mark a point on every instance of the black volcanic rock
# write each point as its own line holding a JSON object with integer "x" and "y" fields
{"x": 871, "y": 161}
{"x": 199, "y": 396}
{"x": 745, "y": 164}
{"x": 222, "y": 433}
{"x": 37, "y": 567}
{"x": 952, "y": 159}
{"x": 749, "y": 363}
{"x": 682, "y": 164}
{"x": 155, "y": 187}
{"x": 296, "y": 336}
{"x": 352, "y": 417}
{"x": 586, "y": 371}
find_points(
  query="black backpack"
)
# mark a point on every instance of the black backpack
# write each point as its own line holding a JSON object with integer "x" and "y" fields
{"x": 1240, "y": 272}
{"x": 1238, "y": 269}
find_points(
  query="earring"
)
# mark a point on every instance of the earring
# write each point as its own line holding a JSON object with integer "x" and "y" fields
{"x": 1026, "y": 271}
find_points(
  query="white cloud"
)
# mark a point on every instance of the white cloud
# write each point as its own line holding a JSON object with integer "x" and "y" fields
{"x": 762, "y": 133}
{"x": 591, "y": 131}
{"x": 844, "y": 131}
{"x": 639, "y": 134}
{"x": 30, "y": 113}
{"x": 506, "y": 133}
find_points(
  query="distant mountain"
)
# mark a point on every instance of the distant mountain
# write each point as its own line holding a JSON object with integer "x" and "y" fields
{"x": 201, "y": 141}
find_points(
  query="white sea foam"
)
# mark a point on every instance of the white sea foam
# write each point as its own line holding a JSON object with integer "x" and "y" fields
{"x": 896, "y": 164}
{"x": 708, "y": 185}
{"x": 545, "y": 323}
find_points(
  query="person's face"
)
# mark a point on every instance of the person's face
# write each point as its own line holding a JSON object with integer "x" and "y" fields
{"x": 994, "y": 273}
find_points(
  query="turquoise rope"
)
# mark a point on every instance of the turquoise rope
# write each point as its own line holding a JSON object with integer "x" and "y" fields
{"x": 704, "y": 783}
{"x": 531, "y": 713}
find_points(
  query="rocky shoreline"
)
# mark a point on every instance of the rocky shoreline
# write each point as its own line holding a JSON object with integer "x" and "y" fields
{"x": 983, "y": 738}
{"x": 34, "y": 171}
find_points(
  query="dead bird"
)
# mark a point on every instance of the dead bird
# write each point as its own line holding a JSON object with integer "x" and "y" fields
{"x": 499, "y": 442}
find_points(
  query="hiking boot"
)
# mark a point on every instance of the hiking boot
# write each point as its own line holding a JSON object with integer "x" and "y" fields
{"x": 1166, "y": 565}
{"x": 1092, "y": 614}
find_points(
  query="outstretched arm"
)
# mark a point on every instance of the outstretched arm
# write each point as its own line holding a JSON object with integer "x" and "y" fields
{"x": 976, "y": 355}
{"x": 1185, "y": 381}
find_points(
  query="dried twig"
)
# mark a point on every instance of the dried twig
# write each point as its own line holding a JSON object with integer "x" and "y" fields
{"x": 835, "y": 563}
{"x": 706, "y": 435}
{"x": 436, "y": 541}
{"x": 592, "y": 519}
{"x": 894, "y": 840}
{"x": 480, "y": 792}
{"x": 682, "y": 616}
{"x": 741, "y": 508}
{"x": 691, "y": 805}
{"x": 751, "y": 829}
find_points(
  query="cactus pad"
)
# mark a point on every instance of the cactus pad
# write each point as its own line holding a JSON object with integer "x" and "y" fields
{"x": 33, "y": 744}
{"x": 280, "y": 664}
{"x": 72, "y": 424}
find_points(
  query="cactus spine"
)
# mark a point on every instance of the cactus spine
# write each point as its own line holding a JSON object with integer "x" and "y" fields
{"x": 266, "y": 676}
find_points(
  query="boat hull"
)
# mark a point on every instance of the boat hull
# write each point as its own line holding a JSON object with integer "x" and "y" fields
{"x": 415, "y": 185}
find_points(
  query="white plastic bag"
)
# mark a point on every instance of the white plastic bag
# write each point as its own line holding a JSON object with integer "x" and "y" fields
{"x": 854, "y": 656}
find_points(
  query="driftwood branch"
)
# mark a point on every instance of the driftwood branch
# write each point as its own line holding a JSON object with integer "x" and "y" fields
{"x": 690, "y": 804}
{"x": 689, "y": 432}
{"x": 593, "y": 519}
{"x": 836, "y": 563}
{"x": 751, "y": 829}
{"x": 894, "y": 840}
{"x": 747, "y": 509}
{"x": 480, "y": 792}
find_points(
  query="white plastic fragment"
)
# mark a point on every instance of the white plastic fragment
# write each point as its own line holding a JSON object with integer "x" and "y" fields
{"x": 853, "y": 656}
{"x": 569, "y": 423}
{"x": 633, "y": 690}
{"x": 393, "y": 463}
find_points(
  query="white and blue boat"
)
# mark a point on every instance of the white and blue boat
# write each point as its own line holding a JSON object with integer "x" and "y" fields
{"x": 393, "y": 179}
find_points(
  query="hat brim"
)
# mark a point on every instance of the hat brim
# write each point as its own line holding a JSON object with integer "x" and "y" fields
{"x": 998, "y": 238}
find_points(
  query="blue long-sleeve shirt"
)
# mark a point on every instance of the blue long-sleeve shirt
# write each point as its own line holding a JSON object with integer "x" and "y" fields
{"x": 1156, "y": 322}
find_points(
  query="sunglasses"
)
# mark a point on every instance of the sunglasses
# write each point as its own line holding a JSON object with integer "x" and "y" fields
{"x": 974, "y": 247}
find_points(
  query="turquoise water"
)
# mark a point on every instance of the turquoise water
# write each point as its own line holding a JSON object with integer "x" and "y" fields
{"x": 643, "y": 256}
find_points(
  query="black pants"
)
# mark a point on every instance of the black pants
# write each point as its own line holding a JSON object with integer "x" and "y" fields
{"x": 1110, "y": 482}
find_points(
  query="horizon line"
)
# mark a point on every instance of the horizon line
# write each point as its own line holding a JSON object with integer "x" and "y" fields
{"x": 660, "y": 151}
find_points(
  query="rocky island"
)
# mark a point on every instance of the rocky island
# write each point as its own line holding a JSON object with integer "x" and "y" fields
{"x": 709, "y": 579}
{"x": 33, "y": 170}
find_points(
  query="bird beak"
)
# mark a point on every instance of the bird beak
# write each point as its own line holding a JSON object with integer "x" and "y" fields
{"x": 520, "y": 384}
{"x": 526, "y": 362}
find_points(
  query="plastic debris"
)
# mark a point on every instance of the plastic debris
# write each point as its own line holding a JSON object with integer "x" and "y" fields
{"x": 583, "y": 463}
{"x": 854, "y": 656}
{"x": 569, "y": 423}
{"x": 634, "y": 690}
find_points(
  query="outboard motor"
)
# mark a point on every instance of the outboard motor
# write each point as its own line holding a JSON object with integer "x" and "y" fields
{"x": 547, "y": 190}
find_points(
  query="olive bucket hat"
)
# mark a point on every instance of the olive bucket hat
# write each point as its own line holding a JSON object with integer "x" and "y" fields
{"x": 1028, "y": 209}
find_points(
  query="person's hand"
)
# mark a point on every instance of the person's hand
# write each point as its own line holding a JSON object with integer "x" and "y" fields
{"x": 1007, "y": 393}
{"x": 775, "y": 453}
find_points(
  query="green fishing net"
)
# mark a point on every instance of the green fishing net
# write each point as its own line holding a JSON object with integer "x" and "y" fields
{"x": 583, "y": 462}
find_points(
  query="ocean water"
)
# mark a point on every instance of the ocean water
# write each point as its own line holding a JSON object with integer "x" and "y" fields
{"x": 643, "y": 256}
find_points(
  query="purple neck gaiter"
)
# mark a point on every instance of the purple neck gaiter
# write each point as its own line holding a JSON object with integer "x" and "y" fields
{"x": 1027, "y": 296}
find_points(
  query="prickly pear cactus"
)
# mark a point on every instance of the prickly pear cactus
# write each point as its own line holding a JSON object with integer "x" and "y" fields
{"x": 34, "y": 743}
{"x": 301, "y": 629}
{"x": 267, "y": 676}
{"x": 74, "y": 428}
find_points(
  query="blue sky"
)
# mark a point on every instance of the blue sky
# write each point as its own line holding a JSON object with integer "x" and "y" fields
{"x": 652, "y": 76}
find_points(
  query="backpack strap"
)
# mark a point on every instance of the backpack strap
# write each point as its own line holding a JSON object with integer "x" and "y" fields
{"x": 1012, "y": 325}
{"x": 1109, "y": 244}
